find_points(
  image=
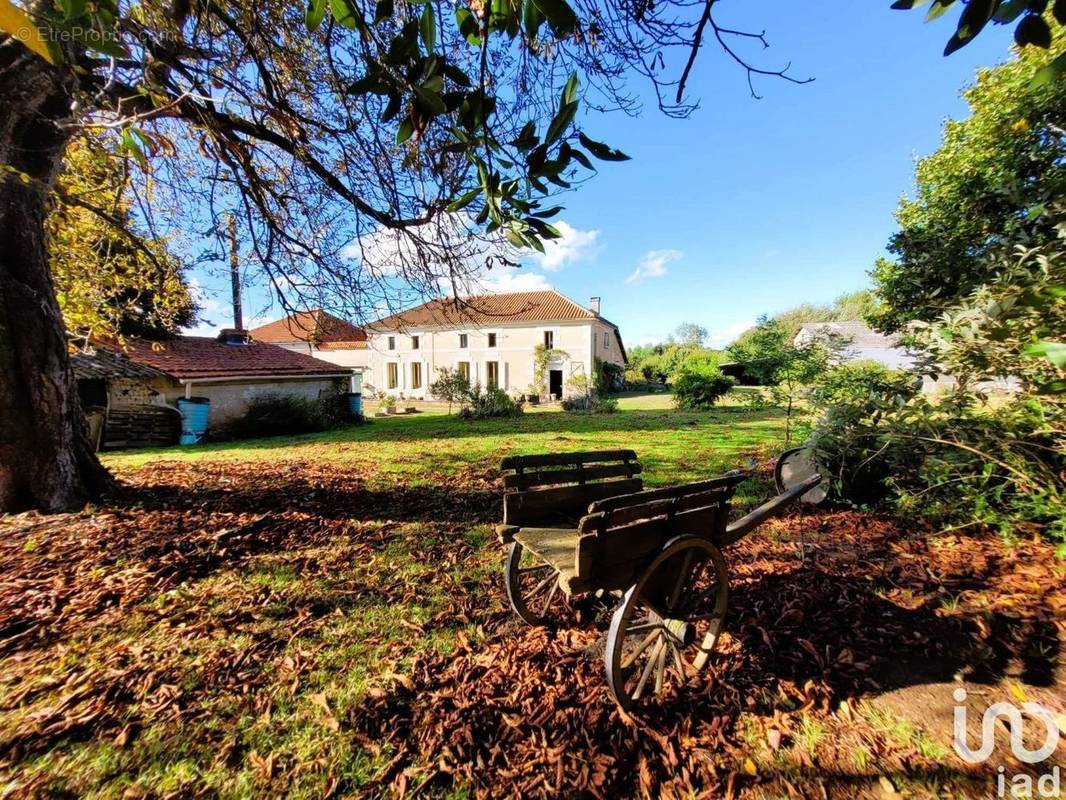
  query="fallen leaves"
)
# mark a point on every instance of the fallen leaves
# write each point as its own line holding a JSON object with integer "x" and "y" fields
{"x": 142, "y": 617}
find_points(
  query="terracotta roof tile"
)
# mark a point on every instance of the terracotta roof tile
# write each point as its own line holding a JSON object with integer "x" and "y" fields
{"x": 205, "y": 357}
{"x": 102, "y": 362}
{"x": 317, "y": 326}
{"x": 544, "y": 306}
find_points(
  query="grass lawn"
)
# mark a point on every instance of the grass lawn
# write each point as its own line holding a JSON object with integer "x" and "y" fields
{"x": 673, "y": 446}
{"x": 322, "y": 615}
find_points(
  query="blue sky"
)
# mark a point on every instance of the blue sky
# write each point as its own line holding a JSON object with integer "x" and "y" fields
{"x": 752, "y": 206}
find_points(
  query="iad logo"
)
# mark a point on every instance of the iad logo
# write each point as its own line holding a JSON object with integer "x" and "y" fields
{"x": 1020, "y": 785}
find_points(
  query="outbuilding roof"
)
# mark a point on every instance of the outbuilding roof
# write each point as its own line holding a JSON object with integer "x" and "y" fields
{"x": 100, "y": 362}
{"x": 185, "y": 357}
{"x": 861, "y": 335}
{"x": 324, "y": 330}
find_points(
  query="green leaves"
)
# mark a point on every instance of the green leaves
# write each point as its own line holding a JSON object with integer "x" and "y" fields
{"x": 1033, "y": 30}
{"x": 567, "y": 109}
{"x": 976, "y": 14}
{"x": 1055, "y": 352}
{"x": 464, "y": 200}
{"x": 316, "y": 12}
{"x": 407, "y": 128}
{"x": 346, "y": 14}
{"x": 974, "y": 17}
{"x": 938, "y": 9}
{"x": 531, "y": 19}
{"x": 134, "y": 142}
{"x": 427, "y": 27}
{"x": 561, "y": 18}
{"x": 600, "y": 150}
{"x": 468, "y": 26}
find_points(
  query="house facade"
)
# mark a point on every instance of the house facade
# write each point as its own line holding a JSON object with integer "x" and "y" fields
{"x": 493, "y": 340}
{"x": 318, "y": 334}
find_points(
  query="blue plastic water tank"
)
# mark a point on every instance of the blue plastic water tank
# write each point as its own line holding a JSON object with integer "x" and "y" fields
{"x": 355, "y": 404}
{"x": 194, "y": 411}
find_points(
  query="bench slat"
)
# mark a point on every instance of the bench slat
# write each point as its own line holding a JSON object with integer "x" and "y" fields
{"x": 654, "y": 509}
{"x": 562, "y": 459}
{"x": 668, "y": 492}
{"x": 526, "y": 480}
{"x": 539, "y": 505}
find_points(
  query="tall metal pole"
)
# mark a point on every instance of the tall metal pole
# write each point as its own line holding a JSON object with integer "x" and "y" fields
{"x": 235, "y": 273}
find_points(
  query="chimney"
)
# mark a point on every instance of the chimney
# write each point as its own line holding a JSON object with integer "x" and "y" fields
{"x": 594, "y": 305}
{"x": 234, "y": 336}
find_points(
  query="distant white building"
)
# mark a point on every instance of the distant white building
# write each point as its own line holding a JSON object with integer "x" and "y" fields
{"x": 318, "y": 334}
{"x": 865, "y": 344}
{"x": 491, "y": 339}
{"x": 887, "y": 350}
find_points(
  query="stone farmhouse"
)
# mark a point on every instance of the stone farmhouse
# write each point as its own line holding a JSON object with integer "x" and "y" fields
{"x": 492, "y": 339}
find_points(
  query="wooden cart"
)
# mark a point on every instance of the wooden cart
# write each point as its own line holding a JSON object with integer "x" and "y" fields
{"x": 580, "y": 523}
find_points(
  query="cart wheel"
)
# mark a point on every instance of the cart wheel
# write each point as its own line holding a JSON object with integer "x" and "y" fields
{"x": 532, "y": 585}
{"x": 668, "y": 622}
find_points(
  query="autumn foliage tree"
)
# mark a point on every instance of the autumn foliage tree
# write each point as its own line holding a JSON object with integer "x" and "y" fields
{"x": 112, "y": 279}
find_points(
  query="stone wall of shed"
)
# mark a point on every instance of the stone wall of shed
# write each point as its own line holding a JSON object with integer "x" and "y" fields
{"x": 229, "y": 400}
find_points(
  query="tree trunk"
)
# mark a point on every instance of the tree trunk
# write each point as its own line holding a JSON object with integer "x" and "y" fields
{"x": 46, "y": 461}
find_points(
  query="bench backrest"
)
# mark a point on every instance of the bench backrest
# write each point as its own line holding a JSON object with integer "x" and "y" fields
{"x": 621, "y": 534}
{"x": 541, "y": 489}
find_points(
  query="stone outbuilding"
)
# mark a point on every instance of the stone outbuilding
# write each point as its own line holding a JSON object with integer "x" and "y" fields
{"x": 137, "y": 385}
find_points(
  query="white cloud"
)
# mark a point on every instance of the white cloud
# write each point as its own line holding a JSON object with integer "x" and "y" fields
{"x": 214, "y": 314}
{"x": 509, "y": 279}
{"x": 574, "y": 245}
{"x": 727, "y": 335}
{"x": 653, "y": 264}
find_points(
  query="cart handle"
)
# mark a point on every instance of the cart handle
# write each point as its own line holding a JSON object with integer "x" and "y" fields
{"x": 736, "y": 531}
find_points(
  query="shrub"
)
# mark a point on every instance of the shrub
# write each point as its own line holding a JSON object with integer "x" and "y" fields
{"x": 386, "y": 402}
{"x": 590, "y": 404}
{"x": 847, "y": 440}
{"x": 699, "y": 391}
{"x": 489, "y": 403}
{"x": 280, "y": 415}
{"x": 450, "y": 386}
{"x": 607, "y": 377}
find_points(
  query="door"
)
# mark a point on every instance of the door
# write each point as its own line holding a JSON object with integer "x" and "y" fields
{"x": 555, "y": 382}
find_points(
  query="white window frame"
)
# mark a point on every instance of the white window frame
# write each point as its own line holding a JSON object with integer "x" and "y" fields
{"x": 469, "y": 369}
{"x": 464, "y": 341}
{"x": 392, "y": 377}
{"x": 492, "y": 340}
{"x": 416, "y": 342}
{"x": 390, "y": 343}
{"x": 488, "y": 382}
{"x": 416, "y": 365}
{"x": 606, "y": 340}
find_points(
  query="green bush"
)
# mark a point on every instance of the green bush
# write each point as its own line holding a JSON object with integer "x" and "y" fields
{"x": 488, "y": 403}
{"x": 590, "y": 404}
{"x": 848, "y": 438}
{"x": 280, "y": 415}
{"x": 697, "y": 391}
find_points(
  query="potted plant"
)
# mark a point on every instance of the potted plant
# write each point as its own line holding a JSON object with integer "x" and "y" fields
{"x": 386, "y": 404}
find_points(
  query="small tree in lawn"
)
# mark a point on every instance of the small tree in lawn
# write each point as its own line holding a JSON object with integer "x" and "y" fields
{"x": 802, "y": 366}
{"x": 699, "y": 390}
{"x": 451, "y": 385}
